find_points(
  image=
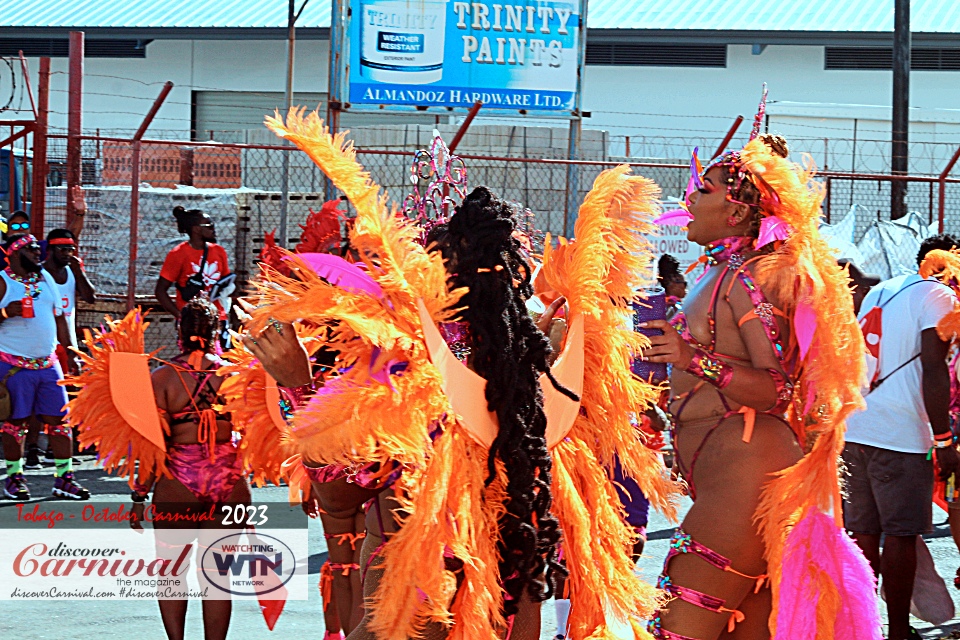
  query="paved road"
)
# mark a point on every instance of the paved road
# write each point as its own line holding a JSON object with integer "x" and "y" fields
{"x": 107, "y": 619}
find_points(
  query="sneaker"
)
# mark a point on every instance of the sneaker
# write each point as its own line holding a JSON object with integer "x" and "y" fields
{"x": 33, "y": 458}
{"x": 15, "y": 487}
{"x": 65, "y": 487}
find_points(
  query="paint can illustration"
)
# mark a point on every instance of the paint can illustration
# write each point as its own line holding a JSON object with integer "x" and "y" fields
{"x": 401, "y": 42}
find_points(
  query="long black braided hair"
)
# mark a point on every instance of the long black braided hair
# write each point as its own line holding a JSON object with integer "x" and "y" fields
{"x": 510, "y": 353}
{"x": 198, "y": 326}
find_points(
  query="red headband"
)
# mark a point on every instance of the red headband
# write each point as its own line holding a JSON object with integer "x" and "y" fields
{"x": 62, "y": 241}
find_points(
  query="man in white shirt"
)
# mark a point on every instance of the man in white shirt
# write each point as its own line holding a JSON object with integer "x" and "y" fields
{"x": 891, "y": 474}
{"x": 31, "y": 324}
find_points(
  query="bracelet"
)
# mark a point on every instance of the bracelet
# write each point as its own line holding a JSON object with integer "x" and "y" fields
{"x": 295, "y": 395}
{"x": 943, "y": 440}
{"x": 710, "y": 369}
{"x": 138, "y": 498}
{"x": 784, "y": 388}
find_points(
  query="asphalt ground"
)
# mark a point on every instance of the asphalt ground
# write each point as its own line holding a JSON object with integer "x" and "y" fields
{"x": 301, "y": 620}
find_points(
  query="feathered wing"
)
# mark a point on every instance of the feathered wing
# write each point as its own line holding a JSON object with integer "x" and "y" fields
{"x": 125, "y": 430}
{"x": 599, "y": 274}
{"x": 386, "y": 405}
{"x": 803, "y": 277}
{"x": 251, "y": 399}
{"x": 945, "y": 267}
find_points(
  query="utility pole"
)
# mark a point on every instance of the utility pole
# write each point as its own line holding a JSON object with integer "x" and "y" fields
{"x": 901, "y": 108}
{"x": 74, "y": 120}
{"x": 292, "y": 17}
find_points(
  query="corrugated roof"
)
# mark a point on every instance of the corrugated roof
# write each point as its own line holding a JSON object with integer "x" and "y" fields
{"x": 926, "y": 16}
{"x": 830, "y": 16}
{"x": 162, "y": 14}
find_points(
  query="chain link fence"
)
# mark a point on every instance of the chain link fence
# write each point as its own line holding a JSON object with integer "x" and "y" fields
{"x": 240, "y": 186}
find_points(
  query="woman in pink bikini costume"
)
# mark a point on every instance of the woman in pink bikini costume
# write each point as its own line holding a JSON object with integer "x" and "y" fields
{"x": 766, "y": 366}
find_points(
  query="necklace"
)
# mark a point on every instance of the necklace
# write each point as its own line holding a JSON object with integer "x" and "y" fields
{"x": 726, "y": 248}
{"x": 31, "y": 282}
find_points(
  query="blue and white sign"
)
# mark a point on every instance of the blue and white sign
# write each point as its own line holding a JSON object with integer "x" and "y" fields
{"x": 446, "y": 53}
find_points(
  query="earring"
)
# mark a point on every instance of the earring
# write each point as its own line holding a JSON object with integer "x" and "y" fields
{"x": 732, "y": 221}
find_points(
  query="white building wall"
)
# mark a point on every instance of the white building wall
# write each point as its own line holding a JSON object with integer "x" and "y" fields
{"x": 118, "y": 92}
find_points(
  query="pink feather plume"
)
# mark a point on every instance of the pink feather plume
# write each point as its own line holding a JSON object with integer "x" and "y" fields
{"x": 772, "y": 229}
{"x": 675, "y": 217}
{"x": 804, "y": 326}
{"x": 816, "y": 548}
{"x": 341, "y": 273}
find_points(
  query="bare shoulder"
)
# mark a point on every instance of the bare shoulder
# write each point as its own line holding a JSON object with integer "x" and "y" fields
{"x": 769, "y": 290}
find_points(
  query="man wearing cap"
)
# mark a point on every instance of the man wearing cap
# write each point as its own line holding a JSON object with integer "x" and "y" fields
{"x": 889, "y": 445}
{"x": 31, "y": 325}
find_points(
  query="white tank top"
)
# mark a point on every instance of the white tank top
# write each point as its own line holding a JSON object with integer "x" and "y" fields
{"x": 68, "y": 303}
{"x": 31, "y": 337}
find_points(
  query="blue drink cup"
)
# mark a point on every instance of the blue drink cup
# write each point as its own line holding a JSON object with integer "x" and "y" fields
{"x": 651, "y": 304}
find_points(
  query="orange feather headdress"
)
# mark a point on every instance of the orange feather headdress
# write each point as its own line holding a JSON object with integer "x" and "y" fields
{"x": 945, "y": 267}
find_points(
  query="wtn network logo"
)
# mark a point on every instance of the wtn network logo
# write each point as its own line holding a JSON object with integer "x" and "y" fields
{"x": 258, "y": 563}
{"x": 248, "y": 564}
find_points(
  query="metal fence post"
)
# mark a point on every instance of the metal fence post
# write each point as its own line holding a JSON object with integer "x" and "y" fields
{"x": 135, "y": 194}
{"x": 941, "y": 208}
{"x": 39, "y": 201}
{"x": 570, "y": 208}
{"x": 74, "y": 118}
{"x": 134, "y": 224}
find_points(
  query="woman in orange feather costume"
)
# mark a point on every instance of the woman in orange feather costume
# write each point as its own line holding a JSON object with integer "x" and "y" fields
{"x": 767, "y": 364}
{"x": 460, "y": 544}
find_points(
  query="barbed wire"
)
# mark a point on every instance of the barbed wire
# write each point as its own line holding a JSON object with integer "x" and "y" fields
{"x": 13, "y": 84}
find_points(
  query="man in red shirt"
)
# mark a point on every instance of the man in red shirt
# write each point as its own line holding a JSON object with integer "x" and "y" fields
{"x": 194, "y": 266}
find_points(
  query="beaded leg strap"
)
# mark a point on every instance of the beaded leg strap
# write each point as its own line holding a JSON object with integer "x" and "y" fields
{"x": 700, "y": 599}
{"x": 658, "y": 632}
{"x": 681, "y": 543}
{"x": 16, "y": 431}
{"x": 59, "y": 430}
{"x": 326, "y": 578}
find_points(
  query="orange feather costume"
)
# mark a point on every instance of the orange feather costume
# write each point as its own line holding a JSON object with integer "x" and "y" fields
{"x": 442, "y": 492}
{"x": 829, "y": 373}
{"x": 115, "y": 410}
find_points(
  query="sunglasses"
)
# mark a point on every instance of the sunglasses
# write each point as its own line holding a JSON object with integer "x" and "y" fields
{"x": 19, "y": 226}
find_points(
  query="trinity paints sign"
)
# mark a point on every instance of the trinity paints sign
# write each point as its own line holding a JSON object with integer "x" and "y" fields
{"x": 520, "y": 55}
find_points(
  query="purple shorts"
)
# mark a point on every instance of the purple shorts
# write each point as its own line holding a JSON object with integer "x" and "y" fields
{"x": 634, "y": 502}
{"x": 35, "y": 392}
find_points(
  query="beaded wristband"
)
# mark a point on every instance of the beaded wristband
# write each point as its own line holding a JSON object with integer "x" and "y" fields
{"x": 784, "y": 388}
{"x": 943, "y": 440}
{"x": 710, "y": 369}
{"x": 295, "y": 395}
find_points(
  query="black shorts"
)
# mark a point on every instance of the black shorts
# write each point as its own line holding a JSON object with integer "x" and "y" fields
{"x": 887, "y": 491}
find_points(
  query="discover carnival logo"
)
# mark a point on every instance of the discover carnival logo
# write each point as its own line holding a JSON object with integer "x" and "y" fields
{"x": 149, "y": 564}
